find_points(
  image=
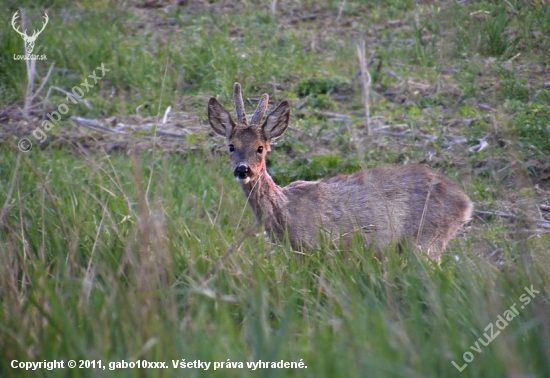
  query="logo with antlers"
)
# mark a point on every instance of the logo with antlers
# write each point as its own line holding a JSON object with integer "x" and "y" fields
{"x": 29, "y": 40}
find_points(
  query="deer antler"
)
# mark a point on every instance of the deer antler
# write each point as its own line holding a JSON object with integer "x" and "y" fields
{"x": 260, "y": 110}
{"x": 239, "y": 104}
{"x": 16, "y": 28}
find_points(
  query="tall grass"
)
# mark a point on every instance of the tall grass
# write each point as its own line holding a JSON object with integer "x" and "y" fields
{"x": 95, "y": 267}
{"x": 156, "y": 256}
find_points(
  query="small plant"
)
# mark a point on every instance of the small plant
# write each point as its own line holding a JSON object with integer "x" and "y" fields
{"x": 513, "y": 87}
{"x": 317, "y": 167}
{"x": 532, "y": 123}
{"x": 317, "y": 86}
{"x": 429, "y": 102}
{"x": 498, "y": 41}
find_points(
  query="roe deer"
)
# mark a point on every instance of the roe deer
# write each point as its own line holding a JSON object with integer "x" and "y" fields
{"x": 383, "y": 205}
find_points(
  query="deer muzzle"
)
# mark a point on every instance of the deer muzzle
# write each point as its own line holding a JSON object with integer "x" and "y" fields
{"x": 242, "y": 173}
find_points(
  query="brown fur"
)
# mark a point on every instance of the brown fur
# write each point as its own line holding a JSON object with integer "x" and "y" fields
{"x": 383, "y": 205}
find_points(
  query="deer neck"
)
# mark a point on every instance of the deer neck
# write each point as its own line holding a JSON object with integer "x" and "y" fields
{"x": 266, "y": 199}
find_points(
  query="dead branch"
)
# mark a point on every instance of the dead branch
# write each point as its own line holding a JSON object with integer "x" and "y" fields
{"x": 94, "y": 125}
{"x": 85, "y": 102}
{"x": 366, "y": 81}
{"x": 120, "y": 129}
{"x": 46, "y": 79}
{"x": 543, "y": 223}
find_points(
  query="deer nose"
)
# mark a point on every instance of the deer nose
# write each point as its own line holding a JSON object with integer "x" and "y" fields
{"x": 242, "y": 171}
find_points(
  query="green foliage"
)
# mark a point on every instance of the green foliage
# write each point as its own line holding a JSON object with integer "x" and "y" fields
{"x": 498, "y": 42}
{"x": 532, "y": 123}
{"x": 322, "y": 102}
{"x": 111, "y": 265}
{"x": 541, "y": 17}
{"x": 318, "y": 167}
{"x": 429, "y": 102}
{"x": 513, "y": 87}
{"x": 317, "y": 86}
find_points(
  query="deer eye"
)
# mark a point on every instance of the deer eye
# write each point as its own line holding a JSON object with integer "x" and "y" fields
{"x": 231, "y": 148}
{"x": 260, "y": 149}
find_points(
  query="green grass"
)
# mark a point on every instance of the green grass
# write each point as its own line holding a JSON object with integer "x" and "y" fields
{"x": 92, "y": 268}
{"x": 120, "y": 256}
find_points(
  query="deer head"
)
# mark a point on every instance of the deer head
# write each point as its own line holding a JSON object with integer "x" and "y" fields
{"x": 29, "y": 40}
{"x": 248, "y": 144}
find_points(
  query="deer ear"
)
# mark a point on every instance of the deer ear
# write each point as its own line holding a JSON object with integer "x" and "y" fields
{"x": 219, "y": 118}
{"x": 277, "y": 121}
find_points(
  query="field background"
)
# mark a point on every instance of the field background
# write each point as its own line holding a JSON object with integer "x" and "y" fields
{"x": 123, "y": 237}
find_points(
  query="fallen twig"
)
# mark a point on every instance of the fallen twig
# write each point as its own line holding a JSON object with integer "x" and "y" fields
{"x": 483, "y": 144}
{"x": 496, "y": 214}
{"x": 95, "y": 125}
{"x": 543, "y": 223}
{"x": 336, "y": 115}
{"x": 120, "y": 129}
{"x": 43, "y": 82}
{"x": 85, "y": 102}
